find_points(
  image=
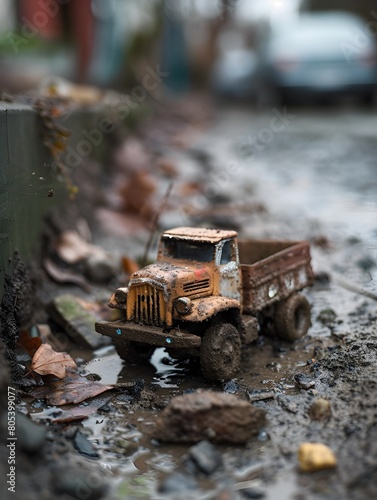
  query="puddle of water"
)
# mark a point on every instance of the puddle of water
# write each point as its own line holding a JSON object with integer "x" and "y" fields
{"x": 168, "y": 370}
{"x": 162, "y": 371}
{"x": 285, "y": 488}
{"x": 107, "y": 367}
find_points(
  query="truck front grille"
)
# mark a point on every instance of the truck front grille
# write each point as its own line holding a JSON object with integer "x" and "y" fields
{"x": 149, "y": 305}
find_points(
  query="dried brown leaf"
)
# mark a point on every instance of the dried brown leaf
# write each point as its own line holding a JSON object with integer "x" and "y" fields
{"x": 137, "y": 194}
{"x": 76, "y": 392}
{"x": 29, "y": 344}
{"x": 46, "y": 361}
{"x": 73, "y": 390}
{"x": 71, "y": 248}
{"x": 81, "y": 412}
{"x": 129, "y": 265}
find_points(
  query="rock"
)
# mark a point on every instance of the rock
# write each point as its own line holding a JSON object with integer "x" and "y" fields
{"x": 75, "y": 483}
{"x": 231, "y": 387}
{"x": 274, "y": 366}
{"x": 253, "y": 492}
{"x": 304, "y": 381}
{"x": 78, "y": 323}
{"x": 315, "y": 456}
{"x": 205, "y": 456}
{"x": 127, "y": 447}
{"x": 99, "y": 268}
{"x": 351, "y": 428}
{"x": 31, "y": 437}
{"x": 83, "y": 445}
{"x": 259, "y": 395}
{"x": 177, "y": 483}
{"x": 366, "y": 263}
{"x": 288, "y": 403}
{"x": 320, "y": 409}
{"x": 209, "y": 415}
{"x": 326, "y": 316}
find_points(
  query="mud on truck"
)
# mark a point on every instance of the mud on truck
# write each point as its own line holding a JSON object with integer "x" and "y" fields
{"x": 209, "y": 293}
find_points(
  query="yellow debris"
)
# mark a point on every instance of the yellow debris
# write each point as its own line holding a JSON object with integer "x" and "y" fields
{"x": 315, "y": 456}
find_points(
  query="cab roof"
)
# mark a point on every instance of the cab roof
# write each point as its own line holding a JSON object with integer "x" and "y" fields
{"x": 199, "y": 234}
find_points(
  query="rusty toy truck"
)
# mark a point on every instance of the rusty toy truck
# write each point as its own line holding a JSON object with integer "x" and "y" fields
{"x": 207, "y": 294}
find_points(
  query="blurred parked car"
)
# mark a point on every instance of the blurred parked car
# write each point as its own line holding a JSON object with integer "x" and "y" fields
{"x": 319, "y": 54}
{"x": 234, "y": 74}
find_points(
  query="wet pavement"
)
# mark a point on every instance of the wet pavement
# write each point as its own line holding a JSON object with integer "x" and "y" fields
{"x": 314, "y": 172}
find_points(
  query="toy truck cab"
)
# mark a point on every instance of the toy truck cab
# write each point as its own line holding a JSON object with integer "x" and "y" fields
{"x": 192, "y": 300}
{"x": 211, "y": 258}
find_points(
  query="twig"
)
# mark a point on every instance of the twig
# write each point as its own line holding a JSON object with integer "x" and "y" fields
{"x": 340, "y": 281}
{"x": 155, "y": 223}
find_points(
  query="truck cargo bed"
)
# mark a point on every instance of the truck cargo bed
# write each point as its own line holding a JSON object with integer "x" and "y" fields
{"x": 272, "y": 271}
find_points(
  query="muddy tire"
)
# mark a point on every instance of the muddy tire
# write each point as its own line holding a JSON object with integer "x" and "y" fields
{"x": 220, "y": 352}
{"x": 292, "y": 318}
{"x": 133, "y": 352}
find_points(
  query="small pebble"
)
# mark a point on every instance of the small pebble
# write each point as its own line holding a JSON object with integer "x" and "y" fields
{"x": 254, "y": 492}
{"x": 177, "y": 483}
{"x": 320, "y": 409}
{"x": 31, "y": 436}
{"x": 231, "y": 387}
{"x": 84, "y": 446}
{"x": 78, "y": 483}
{"x": 313, "y": 457}
{"x": 288, "y": 403}
{"x": 259, "y": 395}
{"x": 326, "y": 316}
{"x": 304, "y": 381}
{"x": 206, "y": 457}
{"x": 128, "y": 447}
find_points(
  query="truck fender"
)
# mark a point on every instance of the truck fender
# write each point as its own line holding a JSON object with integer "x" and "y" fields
{"x": 207, "y": 307}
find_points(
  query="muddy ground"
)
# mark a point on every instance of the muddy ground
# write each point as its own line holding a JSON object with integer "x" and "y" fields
{"x": 301, "y": 174}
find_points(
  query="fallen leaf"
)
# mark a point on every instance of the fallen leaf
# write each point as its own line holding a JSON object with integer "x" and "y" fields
{"x": 190, "y": 188}
{"x": 132, "y": 156}
{"x": 129, "y": 265}
{"x": 137, "y": 194}
{"x": 60, "y": 275}
{"x": 73, "y": 390}
{"x": 71, "y": 248}
{"x": 167, "y": 167}
{"x": 76, "y": 392}
{"x": 81, "y": 412}
{"x": 29, "y": 344}
{"x": 46, "y": 361}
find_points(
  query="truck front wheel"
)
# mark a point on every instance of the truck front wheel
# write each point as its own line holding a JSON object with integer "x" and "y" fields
{"x": 133, "y": 352}
{"x": 292, "y": 318}
{"x": 220, "y": 352}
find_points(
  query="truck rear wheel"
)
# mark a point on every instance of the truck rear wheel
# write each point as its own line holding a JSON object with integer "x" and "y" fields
{"x": 133, "y": 352}
{"x": 292, "y": 318}
{"x": 220, "y": 352}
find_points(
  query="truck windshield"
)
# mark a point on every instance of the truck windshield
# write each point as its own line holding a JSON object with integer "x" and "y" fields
{"x": 188, "y": 250}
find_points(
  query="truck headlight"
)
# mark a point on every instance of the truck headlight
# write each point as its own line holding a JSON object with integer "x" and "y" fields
{"x": 118, "y": 300}
{"x": 121, "y": 295}
{"x": 183, "y": 305}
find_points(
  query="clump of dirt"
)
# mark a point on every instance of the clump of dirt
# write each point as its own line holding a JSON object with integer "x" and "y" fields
{"x": 209, "y": 415}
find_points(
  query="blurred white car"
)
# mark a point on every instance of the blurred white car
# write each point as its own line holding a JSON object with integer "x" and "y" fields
{"x": 234, "y": 74}
{"x": 320, "y": 54}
